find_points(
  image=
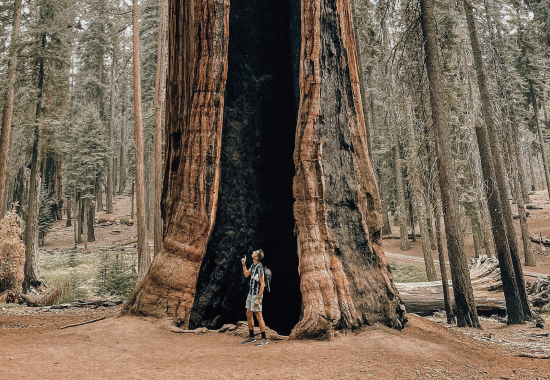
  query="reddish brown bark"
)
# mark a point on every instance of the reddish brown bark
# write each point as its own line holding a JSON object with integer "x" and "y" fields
{"x": 198, "y": 35}
{"x": 345, "y": 278}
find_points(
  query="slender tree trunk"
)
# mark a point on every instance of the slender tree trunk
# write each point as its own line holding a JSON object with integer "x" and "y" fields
{"x": 496, "y": 151}
{"x": 485, "y": 219}
{"x": 91, "y": 218}
{"x": 159, "y": 102}
{"x": 418, "y": 197}
{"x": 132, "y": 201}
{"x": 511, "y": 293}
{"x": 400, "y": 208}
{"x": 462, "y": 286}
{"x": 519, "y": 161}
{"x": 386, "y": 228}
{"x": 8, "y": 102}
{"x": 85, "y": 221}
{"x": 438, "y": 218}
{"x": 122, "y": 159}
{"x": 99, "y": 193}
{"x": 80, "y": 231}
{"x": 76, "y": 220}
{"x": 362, "y": 84}
{"x": 533, "y": 179}
{"x": 540, "y": 170}
{"x": 111, "y": 161}
{"x": 541, "y": 137}
{"x": 31, "y": 220}
{"x": 69, "y": 216}
{"x": 143, "y": 246}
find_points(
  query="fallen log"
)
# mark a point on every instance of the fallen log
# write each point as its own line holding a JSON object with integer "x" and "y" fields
{"x": 533, "y": 207}
{"x": 540, "y": 240}
{"x": 82, "y": 323}
{"x": 516, "y": 216}
{"x": 409, "y": 236}
{"x": 533, "y": 356}
{"x": 425, "y": 298}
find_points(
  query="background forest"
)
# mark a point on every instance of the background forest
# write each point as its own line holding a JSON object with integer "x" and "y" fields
{"x": 72, "y": 148}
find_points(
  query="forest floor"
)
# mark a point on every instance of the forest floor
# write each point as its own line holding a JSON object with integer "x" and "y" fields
{"x": 33, "y": 345}
{"x": 538, "y": 221}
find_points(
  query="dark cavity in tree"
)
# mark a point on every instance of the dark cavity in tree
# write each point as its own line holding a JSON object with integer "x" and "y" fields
{"x": 255, "y": 207}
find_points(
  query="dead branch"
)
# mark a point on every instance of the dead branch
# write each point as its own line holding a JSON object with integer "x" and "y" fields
{"x": 82, "y": 323}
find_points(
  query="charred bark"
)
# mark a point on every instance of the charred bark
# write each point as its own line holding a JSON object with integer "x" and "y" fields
{"x": 255, "y": 196}
{"x": 244, "y": 179}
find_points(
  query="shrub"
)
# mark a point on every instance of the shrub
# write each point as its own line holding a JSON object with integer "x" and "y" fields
{"x": 117, "y": 274}
{"x": 12, "y": 253}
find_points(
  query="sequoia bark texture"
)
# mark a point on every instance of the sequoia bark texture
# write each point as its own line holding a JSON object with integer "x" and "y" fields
{"x": 198, "y": 40}
{"x": 345, "y": 277}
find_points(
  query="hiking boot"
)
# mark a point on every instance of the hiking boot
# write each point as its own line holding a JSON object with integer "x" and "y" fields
{"x": 249, "y": 340}
{"x": 262, "y": 342}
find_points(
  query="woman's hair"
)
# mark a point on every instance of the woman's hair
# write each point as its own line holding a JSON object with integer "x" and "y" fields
{"x": 260, "y": 255}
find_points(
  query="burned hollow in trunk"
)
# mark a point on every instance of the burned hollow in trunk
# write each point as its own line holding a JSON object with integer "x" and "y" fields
{"x": 255, "y": 194}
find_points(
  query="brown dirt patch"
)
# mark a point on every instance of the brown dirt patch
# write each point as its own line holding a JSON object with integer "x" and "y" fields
{"x": 138, "y": 348}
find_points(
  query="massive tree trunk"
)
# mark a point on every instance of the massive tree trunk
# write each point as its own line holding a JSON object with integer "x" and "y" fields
{"x": 8, "y": 102}
{"x": 244, "y": 180}
{"x": 462, "y": 287}
{"x": 345, "y": 280}
{"x": 144, "y": 258}
{"x": 198, "y": 34}
{"x": 496, "y": 151}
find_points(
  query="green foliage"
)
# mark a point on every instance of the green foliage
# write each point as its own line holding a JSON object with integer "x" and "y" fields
{"x": 102, "y": 272}
{"x": 85, "y": 153}
{"x": 117, "y": 274}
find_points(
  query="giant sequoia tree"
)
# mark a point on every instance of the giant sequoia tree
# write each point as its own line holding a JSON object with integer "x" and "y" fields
{"x": 275, "y": 86}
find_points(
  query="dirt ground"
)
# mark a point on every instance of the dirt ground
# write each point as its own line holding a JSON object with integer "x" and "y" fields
{"x": 32, "y": 345}
{"x": 138, "y": 348}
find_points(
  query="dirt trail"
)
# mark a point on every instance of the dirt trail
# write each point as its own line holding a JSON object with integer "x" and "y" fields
{"x": 136, "y": 348}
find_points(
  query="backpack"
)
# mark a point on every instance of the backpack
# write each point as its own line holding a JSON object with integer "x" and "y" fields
{"x": 267, "y": 278}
